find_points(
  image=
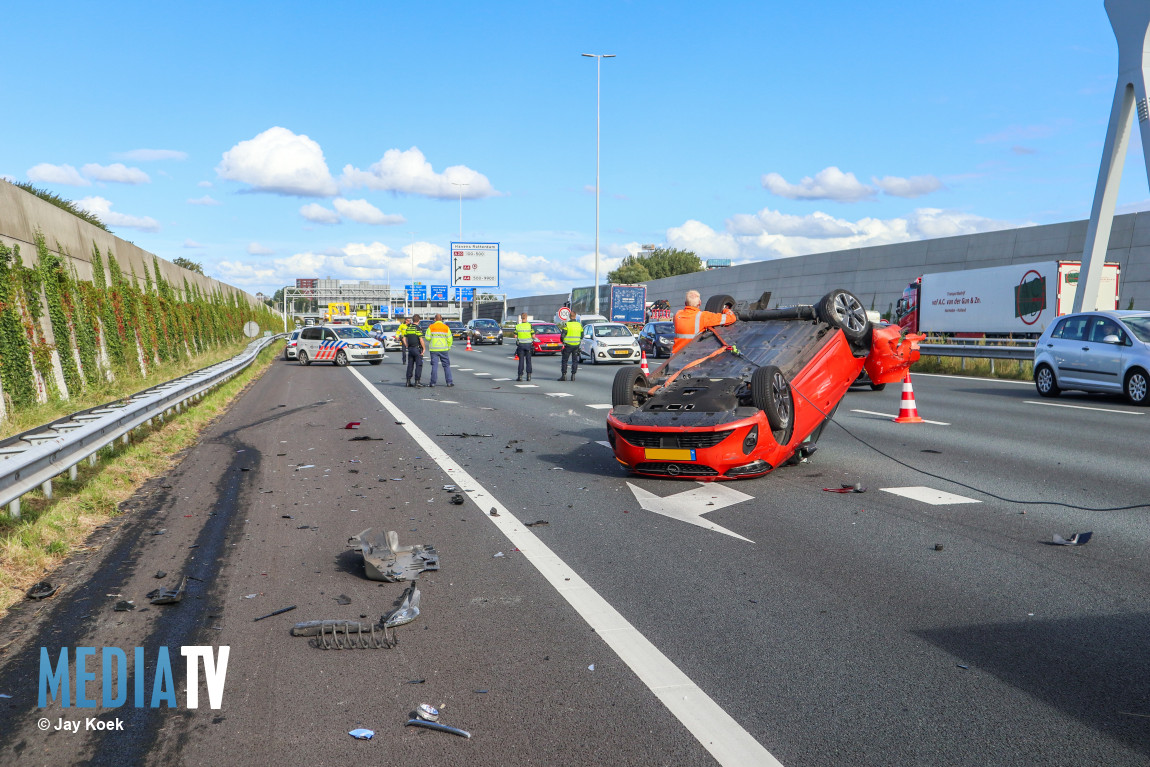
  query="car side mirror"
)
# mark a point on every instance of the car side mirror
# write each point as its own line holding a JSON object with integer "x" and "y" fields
{"x": 1112, "y": 339}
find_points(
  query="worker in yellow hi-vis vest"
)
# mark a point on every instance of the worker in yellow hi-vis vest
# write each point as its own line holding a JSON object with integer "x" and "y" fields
{"x": 439, "y": 341}
{"x": 524, "y": 345}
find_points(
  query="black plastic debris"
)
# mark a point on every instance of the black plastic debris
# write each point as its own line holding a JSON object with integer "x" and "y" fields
{"x": 457, "y": 499}
{"x": 463, "y": 434}
{"x": 936, "y": 452}
{"x": 1078, "y": 539}
{"x": 160, "y": 574}
{"x": 415, "y": 681}
{"x": 343, "y": 599}
{"x": 438, "y": 726}
{"x": 493, "y": 513}
{"x": 538, "y": 523}
{"x": 161, "y": 531}
{"x": 365, "y": 438}
{"x": 938, "y": 547}
{"x": 167, "y": 596}
{"x": 124, "y": 606}
{"x": 280, "y": 611}
{"x": 42, "y": 590}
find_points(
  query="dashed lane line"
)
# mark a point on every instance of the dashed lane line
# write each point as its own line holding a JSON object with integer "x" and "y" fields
{"x": 526, "y": 386}
{"x": 600, "y": 407}
{"x": 1082, "y": 407}
{"x": 559, "y": 394}
{"x": 712, "y": 727}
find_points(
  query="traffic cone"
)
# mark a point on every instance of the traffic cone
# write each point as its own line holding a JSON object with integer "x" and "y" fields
{"x": 643, "y": 363}
{"x": 908, "y": 410}
{"x": 468, "y": 344}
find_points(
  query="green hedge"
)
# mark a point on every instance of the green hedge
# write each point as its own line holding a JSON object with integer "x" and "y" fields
{"x": 139, "y": 327}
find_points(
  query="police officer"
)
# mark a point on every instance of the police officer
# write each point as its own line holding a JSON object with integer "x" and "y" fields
{"x": 402, "y": 341}
{"x": 524, "y": 345}
{"x": 439, "y": 340}
{"x": 413, "y": 337}
{"x": 572, "y": 334}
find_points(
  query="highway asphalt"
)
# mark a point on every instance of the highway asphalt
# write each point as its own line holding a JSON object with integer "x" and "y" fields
{"x": 827, "y": 629}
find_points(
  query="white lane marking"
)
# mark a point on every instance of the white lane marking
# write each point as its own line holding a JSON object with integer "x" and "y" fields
{"x": 559, "y": 394}
{"x": 500, "y": 379}
{"x": 690, "y": 505}
{"x": 601, "y": 407}
{"x": 974, "y": 378}
{"x": 526, "y": 386}
{"x": 891, "y": 417}
{"x": 714, "y": 728}
{"x": 1081, "y": 407}
{"x": 928, "y": 495}
{"x": 482, "y": 374}
{"x": 465, "y": 370}
{"x": 604, "y": 443}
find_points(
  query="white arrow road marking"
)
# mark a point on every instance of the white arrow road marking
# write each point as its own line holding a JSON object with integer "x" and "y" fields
{"x": 601, "y": 407}
{"x": 691, "y": 505}
{"x": 604, "y": 443}
{"x": 928, "y": 495}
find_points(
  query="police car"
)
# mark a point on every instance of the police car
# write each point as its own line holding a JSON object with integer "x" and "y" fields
{"x": 338, "y": 344}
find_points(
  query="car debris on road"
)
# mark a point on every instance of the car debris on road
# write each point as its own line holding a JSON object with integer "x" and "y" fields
{"x": 386, "y": 560}
{"x": 1078, "y": 539}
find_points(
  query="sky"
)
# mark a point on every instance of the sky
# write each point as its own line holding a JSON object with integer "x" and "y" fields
{"x": 271, "y": 141}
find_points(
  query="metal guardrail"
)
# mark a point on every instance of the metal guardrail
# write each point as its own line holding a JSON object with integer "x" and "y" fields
{"x": 34, "y": 458}
{"x": 977, "y": 351}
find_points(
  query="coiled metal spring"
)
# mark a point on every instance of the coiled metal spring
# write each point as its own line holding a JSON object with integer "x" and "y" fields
{"x": 352, "y": 635}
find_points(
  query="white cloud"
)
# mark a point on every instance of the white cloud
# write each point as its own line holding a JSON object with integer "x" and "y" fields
{"x": 116, "y": 173}
{"x": 207, "y": 199}
{"x": 103, "y": 209}
{"x": 193, "y": 244}
{"x": 318, "y": 214}
{"x": 409, "y": 172}
{"x": 363, "y": 212}
{"x": 771, "y": 234}
{"x": 151, "y": 155}
{"x": 255, "y": 249}
{"x": 280, "y": 162}
{"x": 46, "y": 173}
{"x": 828, "y": 184}
{"x": 915, "y": 186}
{"x": 205, "y": 184}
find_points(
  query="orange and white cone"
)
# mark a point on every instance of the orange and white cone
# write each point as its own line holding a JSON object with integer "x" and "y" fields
{"x": 468, "y": 344}
{"x": 908, "y": 410}
{"x": 643, "y": 363}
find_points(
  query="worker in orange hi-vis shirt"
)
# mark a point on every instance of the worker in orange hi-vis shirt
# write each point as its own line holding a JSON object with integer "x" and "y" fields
{"x": 690, "y": 321}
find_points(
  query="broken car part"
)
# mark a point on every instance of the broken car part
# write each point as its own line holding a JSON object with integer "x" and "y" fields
{"x": 386, "y": 560}
{"x": 42, "y": 590}
{"x": 438, "y": 726}
{"x": 1078, "y": 539}
{"x": 280, "y": 611}
{"x": 169, "y": 596}
{"x": 427, "y": 712}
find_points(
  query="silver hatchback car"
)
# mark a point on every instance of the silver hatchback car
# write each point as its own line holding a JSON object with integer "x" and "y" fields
{"x": 1096, "y": 352}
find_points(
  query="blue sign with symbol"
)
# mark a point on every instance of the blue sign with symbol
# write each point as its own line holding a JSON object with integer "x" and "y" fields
{"x": 438, "y": 292}
{"x": 465, "y": 294}
{"x": 420, "y": 293}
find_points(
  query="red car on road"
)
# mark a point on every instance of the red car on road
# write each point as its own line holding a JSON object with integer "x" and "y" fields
{"x": 548, "y": 338}
{"x": 740, "y": 400}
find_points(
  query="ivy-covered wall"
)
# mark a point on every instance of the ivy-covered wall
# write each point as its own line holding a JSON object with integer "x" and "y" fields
{"x": 111, "y": 324}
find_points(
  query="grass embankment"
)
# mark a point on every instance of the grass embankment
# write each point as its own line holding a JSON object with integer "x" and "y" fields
{"x": 49, "y": 530}
{"x": 1017, "y": 370}
{"x": 108, "y": 391}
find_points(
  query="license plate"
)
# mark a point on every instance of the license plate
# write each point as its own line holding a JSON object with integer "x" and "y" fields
{"x": 373, "y": 351}
{"x": 620, "y": 353}
{"x": 667, "y": 454}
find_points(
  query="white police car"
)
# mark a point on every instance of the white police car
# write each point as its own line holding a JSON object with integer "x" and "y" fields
{"x": 338, "y": 344}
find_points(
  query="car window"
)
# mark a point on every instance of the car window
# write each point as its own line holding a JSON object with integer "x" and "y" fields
{"x": 544, "y": 329}
{"x": 663, "y": 328}
{"x": 294, "y": 335}
{"x": 587, "y": 331}
{"x": 1139, "y": 326}
{"x": 389, "y": 327}
{"x": 311, "y": 334}
{"x": 1073, "y": 328}
{"x": 1100, "y": 327}
{"x": 328, "y": 334}
{"x": 611, "y": 331}
{"x": 350, "y": 332}
{"x": 485, "y": 323}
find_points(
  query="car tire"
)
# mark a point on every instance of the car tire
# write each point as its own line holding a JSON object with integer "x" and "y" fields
{"x": 501, "y": 342}
{"x": 341, "y": 359}
{"x": 771, "y": 393}
{"x": 841, "y": 309}
{"x": 1045, "y": 382}
{"x": 303, "y": 358}
{"x": 715, "y": 303}
{"x": 1137, "y": 387}
{"x": 623, "y": 387}
{"x": 877, "y": 387}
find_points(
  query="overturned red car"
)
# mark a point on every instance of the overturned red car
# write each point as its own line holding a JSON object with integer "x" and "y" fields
{"x": 743, "y": 399}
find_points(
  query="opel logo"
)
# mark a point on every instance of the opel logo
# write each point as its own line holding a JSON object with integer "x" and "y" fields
{"x": 673, "y": 469}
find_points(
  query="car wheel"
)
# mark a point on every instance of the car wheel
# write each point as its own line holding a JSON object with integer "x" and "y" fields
{"x": 1136, "y": 388}
{"x": 303, "y": 358}
{"x": 840, "y": 309}
{"x": 341, "y": 359}
{"x": 771, "y": 393}
{"x": 715, "y": 303}
{"x": 877, "y": 387}
{"x": 623, "y": 389}
{"x": 1045, "y": 382}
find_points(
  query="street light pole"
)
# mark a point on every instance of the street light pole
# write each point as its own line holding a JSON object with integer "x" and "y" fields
{"x": 411, "y": 301}
{"x": 598, "y": 68}
{"x": 460, "y": 185}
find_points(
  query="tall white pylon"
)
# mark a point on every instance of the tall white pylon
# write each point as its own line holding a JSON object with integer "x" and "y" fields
{"x": 1130, "y": 20}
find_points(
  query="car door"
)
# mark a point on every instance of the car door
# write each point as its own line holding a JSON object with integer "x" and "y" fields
{"x": 1103, "y": 362}
{"x": 309, "y": 341}
{"x": 1067, "y": 348}
{"x": 587, "y": 343}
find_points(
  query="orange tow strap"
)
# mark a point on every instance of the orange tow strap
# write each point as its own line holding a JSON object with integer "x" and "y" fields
{"x": 690, "y": 365}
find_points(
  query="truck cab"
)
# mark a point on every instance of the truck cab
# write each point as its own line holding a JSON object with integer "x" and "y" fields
{"x": 906, "y": 309}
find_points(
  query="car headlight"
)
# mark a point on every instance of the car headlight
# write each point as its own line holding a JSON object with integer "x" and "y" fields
{"x": 601, "y": 344}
